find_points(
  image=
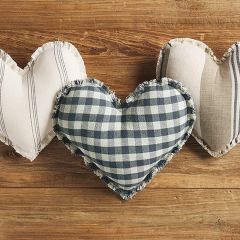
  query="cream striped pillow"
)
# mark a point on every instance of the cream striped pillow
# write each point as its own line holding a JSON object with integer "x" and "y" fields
{"x": 215, "y": 87}
{"x": 27, "y": 95}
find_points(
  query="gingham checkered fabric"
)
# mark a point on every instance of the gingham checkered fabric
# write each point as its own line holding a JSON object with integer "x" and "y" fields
{"x": 125, "y": 143}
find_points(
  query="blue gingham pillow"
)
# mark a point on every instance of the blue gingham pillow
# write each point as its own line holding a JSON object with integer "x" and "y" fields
{"x": 124, "y": 143}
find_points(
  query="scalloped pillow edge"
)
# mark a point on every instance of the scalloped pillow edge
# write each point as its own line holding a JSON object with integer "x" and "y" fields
{"x": 31, "y": 155}
{"x": 126, "y": 195}
{"x": 207, "y": 49}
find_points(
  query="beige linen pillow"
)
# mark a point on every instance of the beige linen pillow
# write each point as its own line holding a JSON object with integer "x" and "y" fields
{"x": 214, "y": 85}
{"x": 27, "y": 95}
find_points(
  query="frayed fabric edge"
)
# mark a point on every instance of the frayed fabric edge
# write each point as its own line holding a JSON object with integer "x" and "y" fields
{"x": 207, "y": 49}
{"x": 128, "y": 194}
{"x": 218, "y": 153}
{"x": 31, "y": 155}
{"x": 201, "y": 45}
{"x": 4, "y": 56}
{"x": 125, "y": 194}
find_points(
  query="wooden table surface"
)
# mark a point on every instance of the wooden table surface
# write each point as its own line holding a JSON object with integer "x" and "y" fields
{"x": 56, "y": 197}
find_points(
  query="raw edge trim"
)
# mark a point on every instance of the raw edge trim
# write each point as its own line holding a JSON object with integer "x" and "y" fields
{"x": 218, "y": 153}
{"x": 203, "y": 46}
{"x": 74, "y": 150}
{"x": 207, "y": 49}
{"x": 31, "y": 155}
{"x": 46, "y": 46}
{"x": 13, "y": 65}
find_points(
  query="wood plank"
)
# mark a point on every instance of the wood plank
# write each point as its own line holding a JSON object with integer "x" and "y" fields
{"x": 104, "y": 59}
{"x": 56, "y": 167}
{"x": 141, "y": 14}
{"x": 114, "y": 44}
{"x": 56, "y": 196}
{"x": 95, "y": 213}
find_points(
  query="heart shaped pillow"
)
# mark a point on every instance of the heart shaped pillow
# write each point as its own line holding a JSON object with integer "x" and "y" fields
{"x": 124, "y": 143}
{"x": 215, "y": 86}
{"x": 27, "y": 95}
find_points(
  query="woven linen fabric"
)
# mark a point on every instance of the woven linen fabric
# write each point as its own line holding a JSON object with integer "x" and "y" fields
{"x": 124, "y": 143}
{"x": 27, "y": 95}
{"x": 215, "y": 86}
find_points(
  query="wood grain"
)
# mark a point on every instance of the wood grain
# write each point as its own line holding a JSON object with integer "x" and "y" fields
{"x": 56, "y": 197}
{"x": 63, "y": 213}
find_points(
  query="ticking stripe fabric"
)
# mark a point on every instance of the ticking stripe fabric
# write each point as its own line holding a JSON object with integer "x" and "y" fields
{"x": 27, "y": 95}
{"x": 215, "y": 87}
{"x": 124, "y": 143}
